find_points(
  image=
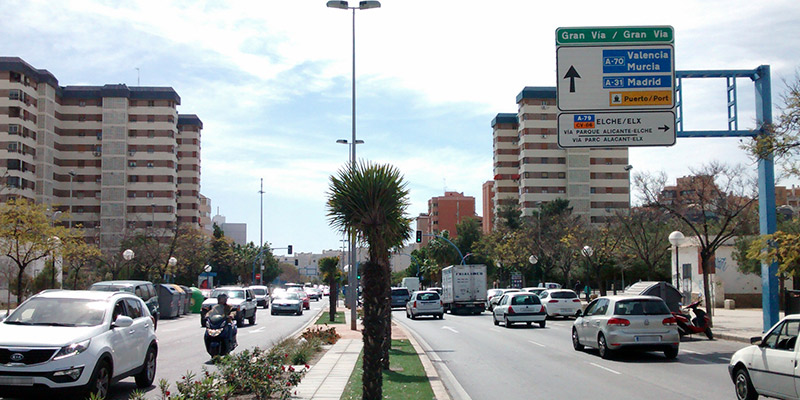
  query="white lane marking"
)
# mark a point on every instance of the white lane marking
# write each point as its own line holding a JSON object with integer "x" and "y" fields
{"x": 258, "y": 330}
{"x": 607, "y": 369}
{"x": 538, "y": 344}
{"x": 699, "y": 359}
{"x": 692, "y": 352}
{"x": 726, "y": 359}
{"x": 450, "y": 329}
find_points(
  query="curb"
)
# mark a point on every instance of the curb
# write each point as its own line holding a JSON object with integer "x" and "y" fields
{"x": 734, "y": 338}
{"x": 444, "y": 384}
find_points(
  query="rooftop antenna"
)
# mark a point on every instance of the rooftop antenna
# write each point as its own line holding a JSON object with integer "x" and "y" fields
{"x": 137, "y": 77}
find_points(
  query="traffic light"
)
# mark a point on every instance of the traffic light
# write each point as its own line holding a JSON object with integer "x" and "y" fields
{"x": 290, "y": 249}
{"x": 419, "y": 236}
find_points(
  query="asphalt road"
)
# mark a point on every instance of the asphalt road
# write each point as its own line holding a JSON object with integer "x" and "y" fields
{"x": 181, "y": 346}
{"x": 492, "y": 362}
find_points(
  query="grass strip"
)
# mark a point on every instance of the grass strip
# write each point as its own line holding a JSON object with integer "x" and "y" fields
{"x": 325, "y": 318}
{"x": 408, "y": 380}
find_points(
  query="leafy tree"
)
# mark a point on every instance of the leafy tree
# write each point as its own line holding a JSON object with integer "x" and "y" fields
{"x": 26, "y": 233}
{"x": 645, "y": 232}
{"x": 603, "y": 242}
{"x": 289, "y": 273}
{"x": 713, "y": 206}
{"x": 221, "y": 257}
{"x": 509, "y": 216}
{"x": 75, "y": 255}
{"x": 372, "y": 200}
{"x": 330, "y": 274}
{"x": 469, "y": 232}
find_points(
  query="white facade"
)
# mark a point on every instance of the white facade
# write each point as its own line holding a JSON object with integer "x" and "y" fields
{"x": 726, "y": 283}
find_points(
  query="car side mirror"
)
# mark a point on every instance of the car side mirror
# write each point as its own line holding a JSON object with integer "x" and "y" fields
{"x": 122, "y": 321}
{"x": 756, "y": 340}
{"x": 579, "y": 313}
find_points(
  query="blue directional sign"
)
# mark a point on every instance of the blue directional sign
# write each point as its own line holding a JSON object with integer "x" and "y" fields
{"x": 635, "y": 81}
{"x": 637, "y": 60}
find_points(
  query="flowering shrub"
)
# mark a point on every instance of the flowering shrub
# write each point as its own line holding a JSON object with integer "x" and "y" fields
{"x": 263, "y": 374}
{"x": 325, "y": 335}
{"x": 190, "y": 387}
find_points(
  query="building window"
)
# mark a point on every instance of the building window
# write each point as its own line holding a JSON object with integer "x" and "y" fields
{"x": 131, "y": 118}
{"x": 609, "y": 175}
{"x": 149, "y": 195}
{"x": 132, "y": 164}
{"x": 545, "y": 175}
{"x": 133, "y": 103}
{"x": 544, "y": 190}
{"x": 151, "y": 134}
{"x": 151, "y": 103}
{"x": 150, "y": 165}
{"x": 82, "y": 104}
{"x": 82, "y": 118}
{"x": 151, "y": 149}
{"x": 592, "y": 190}
{"x": 179, "y": 180}
{"x": 131, "y": 194}
{"x": 131, "y": 133}
{"x": 13, "y": 129}
{"x": 149, "y": 178}
{"x": 544, "y": 160}
{"x": 99, "y": 135}
{"x": 133, "y": 178}
{"x": 562, "y": 175}
{"x": 151, "y": 118}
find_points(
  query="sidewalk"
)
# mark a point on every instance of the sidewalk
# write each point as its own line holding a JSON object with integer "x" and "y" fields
{"x": 738, "y": 325}
{"x": 326, "y": 380}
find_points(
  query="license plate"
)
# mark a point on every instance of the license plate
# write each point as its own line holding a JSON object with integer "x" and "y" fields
{"x": 15, "y": 381}
{"x": 566, "y": 310}
{"x": 648, "y": 339}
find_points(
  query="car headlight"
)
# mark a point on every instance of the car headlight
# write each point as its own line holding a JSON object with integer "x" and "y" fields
{"x": 72, "y": 349}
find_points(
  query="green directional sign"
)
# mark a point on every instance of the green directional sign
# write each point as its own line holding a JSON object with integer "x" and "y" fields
{"x": 615, "y": 35}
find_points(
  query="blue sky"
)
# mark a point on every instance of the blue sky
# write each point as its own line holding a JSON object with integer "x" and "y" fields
{"x": 271, "y": 82}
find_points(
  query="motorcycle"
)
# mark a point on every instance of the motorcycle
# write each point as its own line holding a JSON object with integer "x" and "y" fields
{"x": 698, "y": 324}
{"x": 218, "y": 338}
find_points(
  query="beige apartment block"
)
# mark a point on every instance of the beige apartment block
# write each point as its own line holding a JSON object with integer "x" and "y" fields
{"x": 118, "y": 158}
{"x": 595, "y": 181}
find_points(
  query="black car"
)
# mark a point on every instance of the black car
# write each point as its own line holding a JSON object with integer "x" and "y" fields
{"x": 400, "y": 296}
{"x": 144, "y": 289}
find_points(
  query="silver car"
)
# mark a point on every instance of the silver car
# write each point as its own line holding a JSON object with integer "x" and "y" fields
{"x": 616, "y": 322}
{"x": 494, "y": 297}
{"x": 287, "y": 302}
{"x": 425, "y": 302}
{"x": 519, "y": 307}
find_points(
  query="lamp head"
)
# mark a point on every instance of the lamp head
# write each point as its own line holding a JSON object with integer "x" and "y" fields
{"x": 337, "y": 4}
{"x": 364, "y": 5}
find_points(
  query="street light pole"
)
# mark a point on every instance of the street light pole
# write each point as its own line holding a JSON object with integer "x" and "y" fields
{"x": 261, "y": 237}
{"x": 363, "y": 5}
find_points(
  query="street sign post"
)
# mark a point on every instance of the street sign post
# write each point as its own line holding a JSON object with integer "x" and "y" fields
{"x": 621, "y": 79}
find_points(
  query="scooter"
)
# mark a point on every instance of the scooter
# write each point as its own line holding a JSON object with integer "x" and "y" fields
{"x": 698, "y": 324}
{"x": 217, "y": 335}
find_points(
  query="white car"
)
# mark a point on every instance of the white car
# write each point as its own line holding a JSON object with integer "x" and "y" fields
{"x": 240, "y": 299}
{"x": 425, "y": 302}
{"x": 519, "y": 307}
{"x": 767, "y": 367}
{"x": 287, "y": 302}
{"x": 79, "y": 340}
{"x": 561, "y": 302}
{"x": 636, "y": 322}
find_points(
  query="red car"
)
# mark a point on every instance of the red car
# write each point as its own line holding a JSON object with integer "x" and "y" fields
{"x": 304, "y": 296}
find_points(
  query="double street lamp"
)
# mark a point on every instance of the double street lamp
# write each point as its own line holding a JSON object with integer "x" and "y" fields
{"x": 352, "y": 277}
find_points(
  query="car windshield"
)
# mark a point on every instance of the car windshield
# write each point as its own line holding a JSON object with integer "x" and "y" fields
{"x": 112, "y": 288}
{"x": 510, "y": 290}
{"x": 525, "y": 299}
{"x": 232, "y": 293}
{"x": 494, "y": 292}
{"x": 399, "y": 292}
{"x": 427, "y": 296}
{"x": 287, "y": 296}
{"x": 259, "y": 291}
{"x": 59, "y": 312}
{"x": 567, "y": 294}
{"x": 641, "y": 307}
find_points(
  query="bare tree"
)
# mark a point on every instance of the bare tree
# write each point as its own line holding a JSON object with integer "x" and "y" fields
{"x": 710, "y": 203}
{"x": 645, "y": 231}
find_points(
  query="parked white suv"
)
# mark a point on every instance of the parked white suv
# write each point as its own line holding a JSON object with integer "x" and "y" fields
{"x": 81, "y": 340}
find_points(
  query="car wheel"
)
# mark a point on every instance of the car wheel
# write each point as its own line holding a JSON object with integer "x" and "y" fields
{"x": 542, "y": 323}
{"x": 602, "y": 347}
{"x": 272, "y": 312}
{"x": 671, "y": 353}
{"x": 412, "y": 315}
{"x": 441, "y": 316}
{"x": 507, "y": 322}
{"x": 100, "y": 381}
{"x": 240, "y": 321}
{"x": 743, "y": 385}
{"x": 407, "y": 316}
{"x": 252, "y": 320}
{"x": 144, "y": 379}
{"x": 496, "y": 322}
{"x": 576, "y": 342}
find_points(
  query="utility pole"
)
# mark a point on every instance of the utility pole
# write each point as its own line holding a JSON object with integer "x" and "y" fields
{"x": 261, "y": 237}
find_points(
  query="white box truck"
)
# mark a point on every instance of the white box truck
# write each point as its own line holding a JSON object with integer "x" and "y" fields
{"x": 464, "y": 288}
{"x": 412, "y": 284}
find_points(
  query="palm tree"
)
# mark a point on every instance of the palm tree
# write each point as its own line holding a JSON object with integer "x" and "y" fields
{"x": 372, "y": 200}
{"x": 330, "y": 274}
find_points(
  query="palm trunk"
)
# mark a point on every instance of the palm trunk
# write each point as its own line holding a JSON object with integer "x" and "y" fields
{"x": 374, "y": 334}
{"x": 387, "y": 319}
{"x": 332, "y": 299}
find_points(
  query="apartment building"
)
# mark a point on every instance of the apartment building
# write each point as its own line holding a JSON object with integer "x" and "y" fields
{"x": 487, "y": 191}
{"x": 118, "y": 158}
{"x": 445, "y": 212}
{"x": 530, "y": 168}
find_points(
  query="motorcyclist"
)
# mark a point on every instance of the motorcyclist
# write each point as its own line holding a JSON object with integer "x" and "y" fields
{"x": 223, "y": 308}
